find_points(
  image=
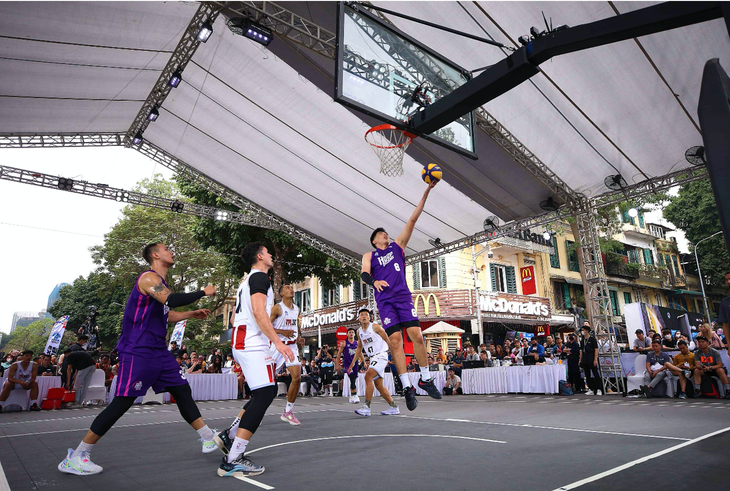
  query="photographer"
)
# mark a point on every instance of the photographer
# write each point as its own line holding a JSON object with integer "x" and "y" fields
{"x": 90, "y": 329}
{"x": 326, "y": 368}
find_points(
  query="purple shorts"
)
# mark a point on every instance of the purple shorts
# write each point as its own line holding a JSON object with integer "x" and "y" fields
{"x": 137, "y": 373}
{"x": 396, "y": 311}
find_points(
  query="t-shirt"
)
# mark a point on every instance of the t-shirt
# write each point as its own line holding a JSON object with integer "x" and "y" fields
{"x": 724, "y": 315}
{"x": 588, "y": 347}
{"x": 661, "y": 358}
{"x": 454, "y": 380}
{"x": 642, "y": 343}
{"x": 679, "y": 360}
{"x": 574, "y": 348}
{"x": 78, "y": 360}
{"x": 712, "y": 357}
{"x": 49, "y": 369}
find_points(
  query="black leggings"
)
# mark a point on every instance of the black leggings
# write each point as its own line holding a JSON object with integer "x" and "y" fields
{"x": 256, "y": 407}
{"x": 353, "y": 380}
{"x": 120, "y": 405}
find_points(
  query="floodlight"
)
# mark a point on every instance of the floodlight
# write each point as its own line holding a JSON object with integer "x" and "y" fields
{"x": 137, "y": 140}
{"x": 154, "y": 114}
{"x": 535, "y": 32}
{"x": 65, "y": 184}
{"x": 547, "y": 235}
{"x": 205, "y": 31}
{"x": 221, "y": 215}
{"x": 175, "y": 79}
{"x": 435, "y": 242}
{"x": 524, "y": 39}
{"x": 633, "y": 212}
{"x": 177, "y": 206}
{"x": 122, "y": 196}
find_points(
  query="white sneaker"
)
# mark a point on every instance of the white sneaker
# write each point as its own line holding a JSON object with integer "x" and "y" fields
{"x": 599, "y": 392}
{"x": 350, "y": 400}
{"x": 355, "y": 399}
{"x": 363, "y": 411}
{"x": 391, "y": 411}
{"x": 209, "y": 445}
{"x": 589, "y": 392}
{"x": 80, "y": 465}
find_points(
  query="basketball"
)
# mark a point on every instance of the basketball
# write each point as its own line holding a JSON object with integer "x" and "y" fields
{"x": 431, "y": 173}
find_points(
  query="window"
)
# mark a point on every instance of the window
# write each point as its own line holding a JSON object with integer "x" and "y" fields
{"x": 614, "y": 302}
{"x": 627, "y": 297}
{"x": 660, "y": 256}
{"x": 562, "y": 296}
{"x": 503, "y": 278}
{"x": 648, "y": 257}
{"x": 554, "y": 256}
{"x": 675, "y": 266}
{"x": 641, "y": 220}
{"x": 330, "y": 296}
{"x": 658, "y": 299}
{"x": 633, "y": 256}
{"x": 359, "y": 290}
{"x": 303, "y": 300}
{"x": 430, "y": 274}
{"x": 572, "y": 256}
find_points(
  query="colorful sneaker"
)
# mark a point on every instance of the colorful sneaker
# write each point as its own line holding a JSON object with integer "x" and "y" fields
{"x": 682, "y": 395}
{"x": 356, "y": 400}
{"x": 241, "y": 467}
{"x": 391, "y": 411}
{"x": 209, "y": 445}
{"x": 80, "y": 465}
{"x": 223, "y": 441}
{"x": 363, "y": 411}
{"x": 429, "y": 388}
{"x": 290, "y": 418}
{"x": 410, "y": 393}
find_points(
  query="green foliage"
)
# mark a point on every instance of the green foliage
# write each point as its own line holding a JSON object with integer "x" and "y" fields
{"x": 33, "y": 336}
{"x": 294, "y": 261}
{"x": 632, "y": 267}
{"x": 694, "y": 211}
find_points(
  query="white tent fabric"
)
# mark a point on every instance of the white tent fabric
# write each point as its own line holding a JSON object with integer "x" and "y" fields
{"x": 263, "y": 123}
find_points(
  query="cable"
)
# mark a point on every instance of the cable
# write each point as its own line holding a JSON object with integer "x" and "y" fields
{"x": 146, "y": 50}
{"x": 88, "y": 99}
{"x": 86, "y": 65}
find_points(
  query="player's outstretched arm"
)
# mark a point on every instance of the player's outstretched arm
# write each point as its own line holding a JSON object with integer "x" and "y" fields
{"x": 337, "y": 358}
{"x": 151, "y": 284}
{"x": 173, "y": 317}
{"x": 258, "y": 305}
{"x": 381, "y": 332}
{"x": 405, "y": 235}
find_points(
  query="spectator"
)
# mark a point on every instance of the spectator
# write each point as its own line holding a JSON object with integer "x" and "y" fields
{"x": 457, "y": 363}
{"x": 197, "y": 365}
{"x": 656, "y": 368}
{"x": 651, "y": 334}
{"x": 507, "y": 347}
{"x": 241, "y": 379}
{"x": 440, "y": 356}
{"x": 572, "y": 354}
{"x": 283, "y": 376}
{"x": 708, "y": 362}
{"x": 174, "y": 350}
{"x": 185, "y": 364}
{"x": 535, "y": 346}
{"x": 690, "y": 342}
{"x": 411, "y": 367}
{"x": 78, "y": 366}
{"x": 589, "y": 361}
{"x": 80, "y": 345}
{"x": 472, "y": 355}
{"x": 216, "y": 365}
{"x": 46, "y": 369}
{"x": 229, "y": 361}
{"x": 667, "y": 339}
{"x": 113, "y": 357}
{"x": 657, "y": 337}
{"x": 549, "y": 345}
{"x": 484, "y": 357}
{"x": 453, "y": 384}
{"x": 105, "y": 364}
{"x": 314, "y": 377}
{"x": 492, "y": 352}
{"x": 558, "y": 348}
{"x": 326, "y": 368}
{"x": 22, "y": 375}
{"x": 715, "y": 341}
{"x": 682, "y": 367}
{"x": 498, "y": 353}
{"x": 641, "y": 343}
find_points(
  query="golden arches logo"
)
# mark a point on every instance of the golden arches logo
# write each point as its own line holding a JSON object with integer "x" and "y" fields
{"x": 426, "y": 302}
{"x": 526, "y": 272}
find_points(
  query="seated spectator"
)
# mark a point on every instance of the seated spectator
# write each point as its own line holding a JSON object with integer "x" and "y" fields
{"x": 105, "y": 364}
{"x": 453, "y": 384}
{"x": 641, "y": 343}
{"x": 185, "y": 361}
{"x": 535, "y": 346}
{"x": 707, "y": 331}
{"x": 46, "y": 369}
{"x": 657, "y": 338}
{"x": 22, "y": 375}
{"x": 507, "y": 348}
{"x": 484, "y": 357}
{"x": 457, "y": 363}
{"x": 667, "y": 339}
{"x": 471, "y": 354}
{"x": 411, "y": 367}
{"x": 682, "y": 365}
{"x": 492, "y": 352}
{"x": 216, "y": 365}
{"x": 690, "y": 342}
{"x": 440, "y": 356}
{"x": 709, "y": 363}
{"x": 315, "y": 378}
{"x": 651, "y": 334}
{"x": 198, "y": 365}
{"x": 656, "y": 369}
{"x": 283, "y": 376}
{"x": 229, "y": 361}
{"x": 498, "y": 353}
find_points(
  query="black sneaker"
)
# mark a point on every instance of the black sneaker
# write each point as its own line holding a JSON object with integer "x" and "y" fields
{"x": 646, "y": 390}
{"x": 223, "y": 441}
{"x": 34, "y": 407}
{"x": 429, "y": 388}
{"x": 411, "y": 402}
{"x": 241, "y": 467}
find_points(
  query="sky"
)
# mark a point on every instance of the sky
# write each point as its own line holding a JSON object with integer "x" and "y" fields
{"x": 46, "y": 233}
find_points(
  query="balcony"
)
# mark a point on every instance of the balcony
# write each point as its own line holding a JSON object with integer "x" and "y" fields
{"x": 663, "y": 245}
{"x": 629, "y": 270}
{"x": 654, "y": 273}
{"x": 639, "y": 232}
{"x": 676, "y": 282}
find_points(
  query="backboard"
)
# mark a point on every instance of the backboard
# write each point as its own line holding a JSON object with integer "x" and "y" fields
{"x": 383, "y": 72}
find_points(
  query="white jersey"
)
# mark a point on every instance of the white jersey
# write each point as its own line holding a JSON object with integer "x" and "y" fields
{"x": 24, "y": 374}
{"x": 288, "y": 321}
{"x": 246, "y": 332}
{"x": 372, "y": 343}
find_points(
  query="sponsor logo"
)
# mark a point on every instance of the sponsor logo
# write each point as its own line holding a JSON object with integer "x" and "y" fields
{"x": 384, "y": 260}
{"x": 342, "y": 315}
{"x": 526, "y": 275}
{"x": 386, "y": 320}
{"x": 426, "y": 303}
{"x": 138, "y": 385}
{"x": 521, "y": 307}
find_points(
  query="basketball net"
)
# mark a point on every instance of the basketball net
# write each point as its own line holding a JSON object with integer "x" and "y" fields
{"x": 389, "y": 144}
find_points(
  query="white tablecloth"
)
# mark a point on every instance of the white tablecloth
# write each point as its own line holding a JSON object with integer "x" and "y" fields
{"x": 204, "y": 386}
{"x": 439, "y": 380}
{"x": 536, "y": 379}
{"x": 44, "y": 383}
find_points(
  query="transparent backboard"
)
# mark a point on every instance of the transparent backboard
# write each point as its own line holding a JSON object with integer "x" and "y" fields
{"x": 385, "y": 73}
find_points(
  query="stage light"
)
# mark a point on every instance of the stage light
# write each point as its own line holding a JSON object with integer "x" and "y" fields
{"x": 633, "y": 212}
{"x": 65, "y": 184}
{"x": 535, "y": 32}
{"x": 154, "y": 114}
{"x": 247, "y": 28}
{"x": 524, "y": 39}
{"x": 177, "y": 206}
{"x": 221, "y": 215}
{"x": 175, "y": 79}
{"x": 547, "y": 235}
{"x": 137, "y": 140}
{"x": 122, "y": 196}
{"x": 205, "y": 31}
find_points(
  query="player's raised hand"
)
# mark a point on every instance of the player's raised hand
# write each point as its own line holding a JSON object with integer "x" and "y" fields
{"x": 380, "y": 284}
{"x": 200, "y": 314}
{"x": 209, "y": 290}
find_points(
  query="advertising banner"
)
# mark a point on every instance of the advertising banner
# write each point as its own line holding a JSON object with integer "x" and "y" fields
{"x": 177, "y": 334}
{"x": 529, "y": 287}
{"x": 54, "y": 339}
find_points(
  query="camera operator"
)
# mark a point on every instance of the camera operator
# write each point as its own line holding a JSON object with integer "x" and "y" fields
{"x": 90, "y": 328}
{"x": 326, "y": 368}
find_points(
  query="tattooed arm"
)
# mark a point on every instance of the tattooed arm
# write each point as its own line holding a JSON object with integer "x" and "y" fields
{"x": 151, "y": 284}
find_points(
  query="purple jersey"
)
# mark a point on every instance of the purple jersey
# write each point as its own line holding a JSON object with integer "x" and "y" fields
{"x": 389, "y": 264}
{"x": 144, "y": 327}
{"x": 348, "y": 353}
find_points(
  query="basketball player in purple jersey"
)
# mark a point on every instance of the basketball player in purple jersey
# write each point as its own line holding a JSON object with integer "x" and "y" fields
{"x": 144, "y": 361}
{"x": 384, "y": 269}
{"x": 348, "y": 350}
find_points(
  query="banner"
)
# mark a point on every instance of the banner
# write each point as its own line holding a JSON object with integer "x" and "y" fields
{"x": 177, "y": 335}
{"x": 651, "y": 317}
{"x": 54, "y": 339}
{"x": 529, "y": 287}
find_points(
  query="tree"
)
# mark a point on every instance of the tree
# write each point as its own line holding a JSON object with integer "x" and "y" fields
{"x": 293, "y": 260}
{"x": 694, "y": 211}
{"x": 32, "y": 336}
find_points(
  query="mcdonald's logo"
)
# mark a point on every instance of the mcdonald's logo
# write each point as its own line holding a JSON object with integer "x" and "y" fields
{"x": 526, "y": 274}
{"x": 426, "y": 302}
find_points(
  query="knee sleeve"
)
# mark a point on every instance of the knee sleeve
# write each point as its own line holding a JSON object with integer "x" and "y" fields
{"x": 111, "y": 414}
{"x": 353, "y": 381}
{"x": 261, "y": 399}
{"x": 185, "y": 403}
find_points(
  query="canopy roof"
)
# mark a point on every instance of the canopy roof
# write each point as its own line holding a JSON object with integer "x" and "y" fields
{"x": 263, "y": 123}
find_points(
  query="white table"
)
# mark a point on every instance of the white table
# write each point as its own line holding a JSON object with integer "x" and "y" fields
{"x": 491, "y": 380}
{"x": 535, "y": 379}
{"x": 44, "y": 383}
{"x": 204, "y": 386}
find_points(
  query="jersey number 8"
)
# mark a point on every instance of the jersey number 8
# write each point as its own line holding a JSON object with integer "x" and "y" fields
{"x": 396, "y": 266}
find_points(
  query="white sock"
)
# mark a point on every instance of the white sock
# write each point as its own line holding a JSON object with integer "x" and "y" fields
{"x": 83, "y": 447}
{"x": 206, "y": 433}
{"x": 289, "y": 407}
{"x": 235, "y": 422}
{"x": 425, "y": 374}
{"x": 232, "y": 432}
{"x": 405, "y": 380}
{"x": 238, "y": 447}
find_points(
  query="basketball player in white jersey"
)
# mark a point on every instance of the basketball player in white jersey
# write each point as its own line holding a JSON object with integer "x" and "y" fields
{"x": 284, "y": 317}
{"x": 251, "y": 338}
{"x": 22, "y": 375}
{"x": 373, "y": 340}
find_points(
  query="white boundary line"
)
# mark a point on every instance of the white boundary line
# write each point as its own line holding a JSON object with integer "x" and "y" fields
{"x": 252, "y": 481}
{"x": 4, "y": 485}
{"x": 638, "y": 461}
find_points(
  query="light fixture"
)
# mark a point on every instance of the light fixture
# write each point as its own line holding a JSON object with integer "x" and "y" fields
{"x": 547, "y": 235}
{"x": 490, "y": 254}
{"x": 633, "y": 212}
{"x": 221, "y": 215}
{"x": 435, "y": 242}
{"x": 137, "y": 140}
{"x": 248, "y": 28}
{"x": 122, "y": 196}
{"x": 175, "y": 79}
{"x": 177, "y": 206}
{"x": 65, "y": 184}
{"x": 524, "y": 39}
{"x": 205, "y": 31}
{"x": 154, "y": 114}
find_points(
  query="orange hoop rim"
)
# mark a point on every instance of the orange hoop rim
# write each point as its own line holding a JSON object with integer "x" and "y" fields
{"x": 384, "y": 127}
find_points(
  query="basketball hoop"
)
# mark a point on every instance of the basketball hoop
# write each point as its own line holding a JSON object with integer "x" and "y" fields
{"x": 389, "y": 144}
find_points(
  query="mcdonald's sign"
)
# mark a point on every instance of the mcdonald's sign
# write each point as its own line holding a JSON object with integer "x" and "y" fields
{"x": 529, "y": 286}
{"x": 421, "y": 297}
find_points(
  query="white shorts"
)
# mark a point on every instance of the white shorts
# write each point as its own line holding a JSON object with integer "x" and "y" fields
{"x": 279, "y": 358}
{"x": 257, "y": 366}
{"x": 378, "y": 362}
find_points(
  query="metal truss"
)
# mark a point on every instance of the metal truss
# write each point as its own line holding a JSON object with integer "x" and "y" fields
{"x": 179, "y": 59}
{"x": 598, "y": 298}
{"x": 286, "y": 24}
{"x": 20, "y": 140}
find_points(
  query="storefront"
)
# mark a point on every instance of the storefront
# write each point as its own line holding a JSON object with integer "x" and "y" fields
{"x": 510, "y": 316}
